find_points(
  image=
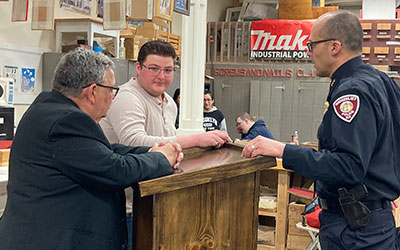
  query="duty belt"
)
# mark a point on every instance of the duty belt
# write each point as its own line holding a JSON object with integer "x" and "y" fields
{"x": 332, "y": 205}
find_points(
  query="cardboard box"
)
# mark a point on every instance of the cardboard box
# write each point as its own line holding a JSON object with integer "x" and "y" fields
{"x": 319, "y": 11}
{"x": 150, "y": 31}
{"x": 292, "y": 229}
{"x": 133, "y": 45}
{"x": 295, "y": 211}
{"x": 384, "y": 68}
{"x": 129, "y": 32}
{"x": 266, "y": 235}
{"x": 297, "y": 242}
{"x": 67, "y": 48}
{"x": 295, "y": 10}
{"x": 141, "y": 10}
{"x": 4, "y": 157}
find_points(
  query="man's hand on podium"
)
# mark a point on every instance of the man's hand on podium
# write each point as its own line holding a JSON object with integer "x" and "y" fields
{"x": 263, "y": 146}
{"x": 172, "y": 151}
{"x": 215, "y": 138}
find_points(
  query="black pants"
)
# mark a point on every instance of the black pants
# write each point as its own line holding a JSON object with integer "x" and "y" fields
{"x": 380, "y": 233}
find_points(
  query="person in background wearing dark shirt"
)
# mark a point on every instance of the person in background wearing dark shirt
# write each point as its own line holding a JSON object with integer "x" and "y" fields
{"x": 213, "y": 119}
{"x": 177, "y": 99}
{"x": 250, "y": 129}
{"x": 357, "y": 166}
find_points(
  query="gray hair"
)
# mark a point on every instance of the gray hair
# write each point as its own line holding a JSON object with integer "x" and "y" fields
{"x": 78, "y": 69}
{"x": 345, "y": 27}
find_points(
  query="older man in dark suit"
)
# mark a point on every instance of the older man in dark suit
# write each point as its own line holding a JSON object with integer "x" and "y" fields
{"x": 66, "y": 183}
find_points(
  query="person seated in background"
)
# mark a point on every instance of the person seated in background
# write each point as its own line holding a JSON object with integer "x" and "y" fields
{"x": 213, "y": 119}
{"x": 66, "y": 181}
{"x": 177, "y": 100}
{"x": 250, "y": 129}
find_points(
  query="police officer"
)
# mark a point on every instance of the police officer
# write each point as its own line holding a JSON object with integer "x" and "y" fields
{"x": 357, "y": 166}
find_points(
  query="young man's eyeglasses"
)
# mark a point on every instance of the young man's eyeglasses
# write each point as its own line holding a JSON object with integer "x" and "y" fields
{"x": 310, "y": 44}
{"x": 114, "y": 90}
{"x": 157, "y": 70}
{"x": 238, "y": 123}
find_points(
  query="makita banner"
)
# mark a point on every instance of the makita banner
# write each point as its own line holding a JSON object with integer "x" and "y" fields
{"x": 280, "y": 39}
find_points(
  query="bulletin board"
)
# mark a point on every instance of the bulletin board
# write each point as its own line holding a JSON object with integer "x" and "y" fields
{"x": 25, "y": 64}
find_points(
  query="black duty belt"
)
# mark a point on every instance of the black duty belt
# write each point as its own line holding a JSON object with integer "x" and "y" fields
{"x": 333, "y": 205}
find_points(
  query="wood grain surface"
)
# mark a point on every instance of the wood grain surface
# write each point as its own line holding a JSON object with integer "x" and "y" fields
{"x": 212, "y": 203}
{"x": 204, "y": 165}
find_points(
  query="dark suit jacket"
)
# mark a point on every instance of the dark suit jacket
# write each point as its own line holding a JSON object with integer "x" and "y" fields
{"x": 65, "y": 188}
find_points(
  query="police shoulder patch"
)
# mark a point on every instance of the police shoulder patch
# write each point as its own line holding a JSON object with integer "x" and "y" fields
{"x": 346, "y": 107}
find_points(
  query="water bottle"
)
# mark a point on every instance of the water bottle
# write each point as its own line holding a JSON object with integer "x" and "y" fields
{"x": 295, "y": 138}
{"x": 122, "y": 49}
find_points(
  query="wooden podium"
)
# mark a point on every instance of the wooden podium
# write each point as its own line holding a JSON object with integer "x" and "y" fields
{"x": 210, "y": 203}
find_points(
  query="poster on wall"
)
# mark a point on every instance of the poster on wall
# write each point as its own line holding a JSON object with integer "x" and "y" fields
{"x": 19, "y": 11}
{"x": 11, "y": 72}
{"x": 42, "y": 15}
{"x": 280, "y": 39}
{"x": 28, "y": 80}
{"x": 114, "y": 15}
{"x": 182, "y": 7}
{"x": 77, "y": 5}
{"x": 163, "y": 9}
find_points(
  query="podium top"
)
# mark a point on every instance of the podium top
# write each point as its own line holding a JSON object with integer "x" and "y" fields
{"x": 205, "y": 165}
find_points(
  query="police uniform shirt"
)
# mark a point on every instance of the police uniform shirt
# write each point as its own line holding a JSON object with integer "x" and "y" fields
{"x": 356, "y": 137}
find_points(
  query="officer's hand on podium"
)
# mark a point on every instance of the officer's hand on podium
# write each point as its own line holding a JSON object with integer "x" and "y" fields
{"x": 263, "y": 146}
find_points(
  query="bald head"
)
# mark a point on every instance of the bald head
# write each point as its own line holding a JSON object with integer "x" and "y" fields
{"x": 344, "y": 26}
{"x": 336, "y": 37}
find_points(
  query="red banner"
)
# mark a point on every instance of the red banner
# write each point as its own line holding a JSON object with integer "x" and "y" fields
{"x": 280, "y": 39}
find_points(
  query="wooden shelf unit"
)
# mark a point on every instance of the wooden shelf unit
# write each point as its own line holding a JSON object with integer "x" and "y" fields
{"x": 263, "y": 212}
{"x": 265, "y": 247}
{"x": 283, "y": 184}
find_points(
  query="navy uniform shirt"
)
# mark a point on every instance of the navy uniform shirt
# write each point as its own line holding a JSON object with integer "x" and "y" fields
{"x": 358, "y": 137}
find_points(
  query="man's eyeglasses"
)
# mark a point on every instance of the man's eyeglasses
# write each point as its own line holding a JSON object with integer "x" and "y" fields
{"x": 157, "y": 70}
{"x": 238, "y": 123}
{"x": 311, "y": 43}
{"x": 114, "y": 90}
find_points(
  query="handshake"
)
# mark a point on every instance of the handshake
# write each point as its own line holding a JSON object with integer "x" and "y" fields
{"x": 172, "y": 151}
